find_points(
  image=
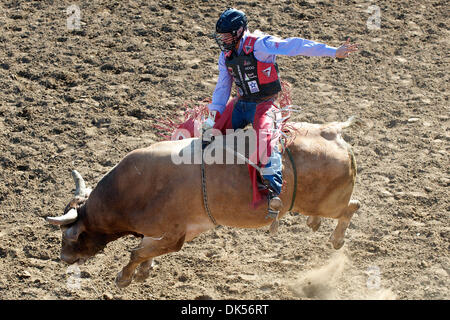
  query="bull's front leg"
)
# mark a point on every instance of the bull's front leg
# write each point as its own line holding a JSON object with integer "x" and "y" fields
{"x": 149, "y": 248}
{"x": 125, "y": 276}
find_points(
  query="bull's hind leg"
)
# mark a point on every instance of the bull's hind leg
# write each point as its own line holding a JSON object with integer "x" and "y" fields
{"x": 143, "y": 271}
{"x": 143, "y": 255}
{"x": 313, "y": 222}
{"x": 337, "y": 237}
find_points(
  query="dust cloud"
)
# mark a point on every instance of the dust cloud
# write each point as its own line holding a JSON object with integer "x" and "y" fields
{"x": 337, "y": 279}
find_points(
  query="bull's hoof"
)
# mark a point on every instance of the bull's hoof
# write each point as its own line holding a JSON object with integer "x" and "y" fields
{"x": 337, "y": 244}
{"x": 143, "y": 272}
{"x": 122, "y": 283}
{"x": 141, "y": 275}
{"x": 313, "y": 223}
{"x": 274, "y": 227}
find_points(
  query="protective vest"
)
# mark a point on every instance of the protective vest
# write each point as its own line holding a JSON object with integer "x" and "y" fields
{"x": 254, "y": 79}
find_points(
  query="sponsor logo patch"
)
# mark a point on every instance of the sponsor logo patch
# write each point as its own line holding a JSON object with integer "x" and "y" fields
{"x": 253, "y": 85}
{"x": 251, "y": 75}
{"x": 248, "y": 45}
{"x": 267, "y": 72}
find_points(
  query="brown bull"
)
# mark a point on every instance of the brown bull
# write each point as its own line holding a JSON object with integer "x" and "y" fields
{"x": 147, "y": 195}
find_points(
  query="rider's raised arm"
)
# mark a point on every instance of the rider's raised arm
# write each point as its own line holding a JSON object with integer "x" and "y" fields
{"x": 270, "y": 45}
{"x": 223, "y": 87}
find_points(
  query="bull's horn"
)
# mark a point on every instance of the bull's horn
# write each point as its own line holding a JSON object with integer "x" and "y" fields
{"x": 69, "y": 217}
{"x": 80, "y": 185}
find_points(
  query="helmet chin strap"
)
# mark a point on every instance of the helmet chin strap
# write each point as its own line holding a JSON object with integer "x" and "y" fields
{"x": 240, "y": 34}
{"x": 238, "y": 40}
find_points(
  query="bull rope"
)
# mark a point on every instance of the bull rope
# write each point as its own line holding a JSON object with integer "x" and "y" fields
{"x": 205, "y": 196}
{"x": 294, "y": 168}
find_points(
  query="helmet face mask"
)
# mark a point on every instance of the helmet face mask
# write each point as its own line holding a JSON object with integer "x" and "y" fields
{"x": 229, "y": 28}
{"x": 228, "y": 41}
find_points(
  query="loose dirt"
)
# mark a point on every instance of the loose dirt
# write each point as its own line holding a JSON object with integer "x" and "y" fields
{"x": 83, "y": 99}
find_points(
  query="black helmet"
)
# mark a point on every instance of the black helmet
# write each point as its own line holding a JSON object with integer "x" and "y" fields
{"x": 232, "y": 22}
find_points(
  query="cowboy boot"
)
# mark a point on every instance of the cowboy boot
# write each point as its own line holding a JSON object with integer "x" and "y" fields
{"x": 275, "y": 205}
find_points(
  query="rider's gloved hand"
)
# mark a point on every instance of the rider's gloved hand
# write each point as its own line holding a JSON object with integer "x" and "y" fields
{"x": 210, "y": 121}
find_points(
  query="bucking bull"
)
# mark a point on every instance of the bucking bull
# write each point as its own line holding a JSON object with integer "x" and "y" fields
{"x": 147, "y": 195}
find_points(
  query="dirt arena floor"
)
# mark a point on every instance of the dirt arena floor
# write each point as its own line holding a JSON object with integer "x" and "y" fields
{"x": 82, "y": 99}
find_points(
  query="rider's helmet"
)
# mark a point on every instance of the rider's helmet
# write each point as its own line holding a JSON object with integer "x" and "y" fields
{"x": 229, "y": 28}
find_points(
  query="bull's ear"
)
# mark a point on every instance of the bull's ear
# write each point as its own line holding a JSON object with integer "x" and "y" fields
{"x": 74, "y": 231}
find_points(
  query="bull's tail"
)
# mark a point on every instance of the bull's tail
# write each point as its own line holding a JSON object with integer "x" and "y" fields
{"x": 335, "y": 128}
{"x": 350, "y": 122}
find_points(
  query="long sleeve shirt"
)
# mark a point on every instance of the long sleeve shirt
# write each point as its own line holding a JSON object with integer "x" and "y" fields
{"x": 266, "y": 49}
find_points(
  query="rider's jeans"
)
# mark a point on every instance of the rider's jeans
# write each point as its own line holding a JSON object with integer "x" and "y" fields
{"x": 251, "y": 112}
